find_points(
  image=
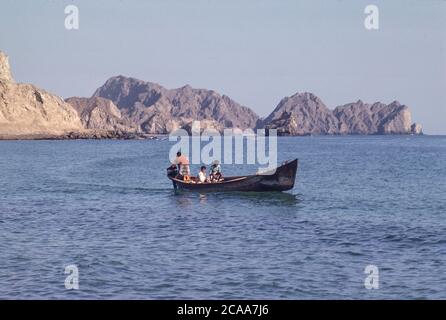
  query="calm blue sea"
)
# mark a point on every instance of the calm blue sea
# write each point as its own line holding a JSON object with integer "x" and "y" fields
{"x": 107, "y": 207}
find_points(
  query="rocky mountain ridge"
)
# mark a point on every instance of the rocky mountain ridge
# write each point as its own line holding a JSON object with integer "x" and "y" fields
{"x": 129, "y": 108}
{"x": 157, "y": 110}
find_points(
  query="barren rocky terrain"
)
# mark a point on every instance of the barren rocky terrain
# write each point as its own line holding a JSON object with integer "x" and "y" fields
{"x": 127, "y": 108}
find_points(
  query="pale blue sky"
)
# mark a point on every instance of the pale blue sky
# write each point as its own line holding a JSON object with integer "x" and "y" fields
{"x": 256, "y": 52}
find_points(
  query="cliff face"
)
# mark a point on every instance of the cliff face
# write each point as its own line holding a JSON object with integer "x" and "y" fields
{"x": 377, "y": 118}
{"x": 100, "y": 114}
{"x": 156, "y": 109}
{"x": 304, "y": 114}
{"x": 5, "y": 69}
{"x": 28, "y": 110}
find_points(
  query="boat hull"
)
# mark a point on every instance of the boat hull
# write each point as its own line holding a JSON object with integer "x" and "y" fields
{"x": 281, "y": 180}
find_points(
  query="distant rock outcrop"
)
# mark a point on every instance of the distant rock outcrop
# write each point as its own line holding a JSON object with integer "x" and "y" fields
{"x": 156, "y": 109}
{"x": 302, "y": 114}
{"x": 100, "y": 114}
{"x": 416, "y": 128}
{"x": 305, "y": 114}
{"x": 5, "y": 69}
{"x": 28, "y": 110}
{"x": 376, "y": 118}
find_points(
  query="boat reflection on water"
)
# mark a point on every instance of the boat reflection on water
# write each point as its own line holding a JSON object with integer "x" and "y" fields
{"x": 203, "y": 198}
{"x": 281, "y": 199}
{"x": 265, "y": 198}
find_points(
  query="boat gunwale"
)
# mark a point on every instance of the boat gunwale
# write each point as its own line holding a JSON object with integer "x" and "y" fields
{"x": 236, "y": 179}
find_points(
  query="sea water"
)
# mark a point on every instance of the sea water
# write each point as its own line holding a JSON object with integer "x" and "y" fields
{"x": 107, "y": 208}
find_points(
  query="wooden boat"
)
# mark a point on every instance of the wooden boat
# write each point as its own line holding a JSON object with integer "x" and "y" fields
{"x": 281, "y": 179}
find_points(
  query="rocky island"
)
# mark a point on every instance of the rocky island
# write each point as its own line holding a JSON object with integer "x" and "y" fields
{"x": 306, "y": 114}
{"x": 128, "y": 108}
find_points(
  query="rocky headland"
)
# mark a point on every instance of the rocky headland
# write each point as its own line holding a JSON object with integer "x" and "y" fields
{"x": 306, "y": 114}
{"x": 26, "y": 110}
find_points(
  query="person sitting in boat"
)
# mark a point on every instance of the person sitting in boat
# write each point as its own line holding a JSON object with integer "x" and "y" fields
{"x": 215, "y": 174}
{"x": 202, "y": 175}
{"x": 183, "y": 165}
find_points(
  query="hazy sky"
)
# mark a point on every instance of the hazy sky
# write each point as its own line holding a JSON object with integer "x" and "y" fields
{"x": 256, "y": 52}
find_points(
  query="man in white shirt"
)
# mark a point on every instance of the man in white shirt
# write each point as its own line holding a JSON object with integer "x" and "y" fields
{"x": 202, "y": 175}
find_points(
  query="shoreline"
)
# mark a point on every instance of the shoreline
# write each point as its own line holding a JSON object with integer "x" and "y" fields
{"x": 81, "y": 136}
{"x": 146, "y": 136}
